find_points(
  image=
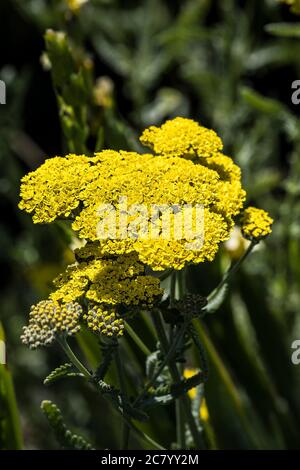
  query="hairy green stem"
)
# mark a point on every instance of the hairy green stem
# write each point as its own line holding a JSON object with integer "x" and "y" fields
{"x": 74, "y": 359}
{"x": 166, "y": 360}
{"x": 180, "y": 422}
{"x": 80, "y": 367}
{"x": 108, "y": 356}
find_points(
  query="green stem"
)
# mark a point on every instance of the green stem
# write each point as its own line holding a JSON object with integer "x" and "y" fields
{"x": 173, "y": 280}
{"x": 144, "y": 436}
{"x": 126, "y": 428}
{"x": 164, "y": 275}
{"x": 108, "y": 353}
{"x": 233, "y": 268}
{"x": 224, "y": 376}
{"x": 201, "y": 351}
{"x": 80, "y": 367}
{"x": 75, "y": 361}
{"x": 137, "y": 340}
{"x": 166, "y": 360}
{"x": 181, "y": 283}
{"x": 176, "y": 378}
{"x": 180, "y": 425}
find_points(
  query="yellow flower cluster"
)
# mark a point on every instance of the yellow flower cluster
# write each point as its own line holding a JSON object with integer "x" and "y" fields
{"x": 255, "y": 223}
{"x": 182, "y": 137}
{"x": 74, "y": 187}
{"x": 48, "y": 319}
{"x": 105, "y": 322}
{"x": 294, "y": 4}
{"x": 52, "y": 191}
{"x": 114, "y": 281}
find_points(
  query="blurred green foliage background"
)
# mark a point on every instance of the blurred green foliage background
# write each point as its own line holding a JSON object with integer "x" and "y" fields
{"x": 133, "y": 64}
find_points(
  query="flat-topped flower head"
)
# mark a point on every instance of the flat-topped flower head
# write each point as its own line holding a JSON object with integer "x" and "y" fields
{"x": 76, "y": 186}
{"x": 255, "y": 223}
{"x": 49, "y": 319}
{"x": 182, "y": 137}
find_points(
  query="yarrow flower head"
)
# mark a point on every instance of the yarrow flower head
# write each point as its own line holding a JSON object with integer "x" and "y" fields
{"x": 182, "y": 137}
{"x": 189, "y": 170}
{"x": 109, "y": 279}
{"x": 103, "y": 287}
{"x": 48, "y": 319}
{"x": 255, "y": 223}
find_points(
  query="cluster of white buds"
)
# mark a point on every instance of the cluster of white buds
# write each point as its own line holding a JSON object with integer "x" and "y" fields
{"x": 48, "y": 319}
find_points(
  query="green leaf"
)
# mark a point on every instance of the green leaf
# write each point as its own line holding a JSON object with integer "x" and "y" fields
{"x": 73, "y": 84}
{"x": 65, "y": 370}
{"x": 65, "y": 437}
{"x": 227, "y": 397}
{"x": 60, "y": 56}
{"x": 10, "y": 430}
{"x": 290, "y": 30}
{"x": 215, "y": 299}
{"x": 260, "y": 102}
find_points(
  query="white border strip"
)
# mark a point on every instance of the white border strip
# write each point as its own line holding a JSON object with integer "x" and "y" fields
{"x": 2, "y": 353}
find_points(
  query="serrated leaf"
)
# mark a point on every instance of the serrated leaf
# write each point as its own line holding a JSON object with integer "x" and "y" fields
{"x": 65, "y": 437}
{"x": 65, "y": 370}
